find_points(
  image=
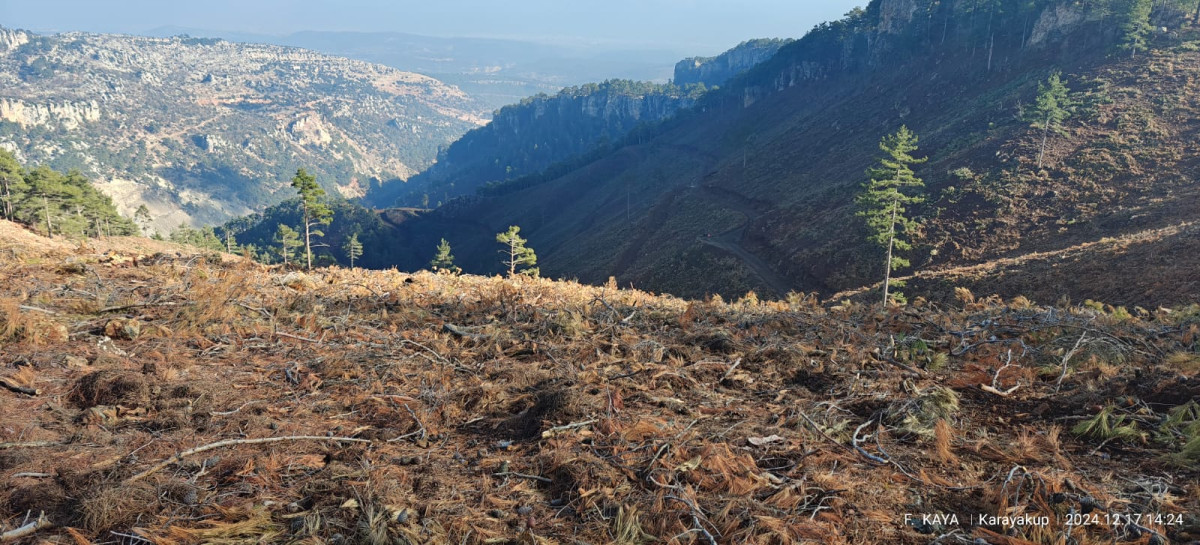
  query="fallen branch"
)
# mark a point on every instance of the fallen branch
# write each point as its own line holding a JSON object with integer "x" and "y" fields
{"x": 731, "y": 368}
{"x": 826, "y": 435}
{"x": 863, "y": 451}
{"x": 696, "y": 518}
{"x": 460, "y": 332}
{"x": 559, "y": 429}
{"x": 31, "y": 444}
{"x": 137, "y": 305}
{"x": 298, "y": 338}
{"x": 18, "y": 389}
{"x": 1067, "y": 358}
{"x": 230, "y": 442}
{"x": 36, "y": 309}
{"x": 26, "y": 530}
{"x": 997, "y": 391}
{"x": 32, "y": 475}
{"x": 523, "y": 476}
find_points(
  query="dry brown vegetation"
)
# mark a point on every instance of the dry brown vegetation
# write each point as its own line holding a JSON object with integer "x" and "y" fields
{"x": 184, "y": 401}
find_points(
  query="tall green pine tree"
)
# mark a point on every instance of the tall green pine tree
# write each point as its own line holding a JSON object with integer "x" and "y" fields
{"x": 517, "y": 255}
{"x": 353, "y": 248}
{"x": 1051, "y": 109}
{"x": 883, "y": 201}
{"x": 315, "y": 211}
{"x": 12, "y": 184}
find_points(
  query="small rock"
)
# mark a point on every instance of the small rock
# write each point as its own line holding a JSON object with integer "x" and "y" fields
{"x": 402, "y": 516}
{"x": 123, "y": 329}
{"x": 524, "y": 510}
{"x": 497, "y": 513}
{"x": 75, "y": 362}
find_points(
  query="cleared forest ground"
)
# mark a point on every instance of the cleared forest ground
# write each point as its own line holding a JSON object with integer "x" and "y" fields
{"x": 179, "y": 400}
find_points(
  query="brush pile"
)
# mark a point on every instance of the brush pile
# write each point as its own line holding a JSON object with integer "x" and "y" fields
{"x": 181, "y": 400}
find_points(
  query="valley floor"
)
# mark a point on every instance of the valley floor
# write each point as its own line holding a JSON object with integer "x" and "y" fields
{"x": 178, "y": 400}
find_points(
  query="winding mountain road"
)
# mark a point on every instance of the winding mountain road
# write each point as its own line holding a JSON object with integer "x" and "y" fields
{"x": 731, "y": 240}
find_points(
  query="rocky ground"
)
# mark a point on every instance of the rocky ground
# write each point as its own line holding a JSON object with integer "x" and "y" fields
{"x": 177, "y": 399}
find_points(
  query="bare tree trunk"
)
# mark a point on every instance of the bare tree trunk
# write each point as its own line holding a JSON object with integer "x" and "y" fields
{"x": 46, "y": 208}
{"x": 887, "y": 268}
{"x": 512, "y": 258}
{"x": 307, "y": 237}
{"x": 1045, "y": 137}
{"x": 8, "y": 211}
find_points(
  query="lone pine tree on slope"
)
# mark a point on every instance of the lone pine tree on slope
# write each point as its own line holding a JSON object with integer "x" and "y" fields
{"x": 315, "y": 212}
{"x": 1051, "y": 109}
{"x": 443, "y": 260}
{"x": 883, "y": 201}
{"x": 517, "y": 255}
{"x": 353, "y": 248}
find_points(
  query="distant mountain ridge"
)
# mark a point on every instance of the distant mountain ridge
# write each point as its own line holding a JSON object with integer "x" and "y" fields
{"x": 201, "y": 129}
{"x": 494, "y": 72}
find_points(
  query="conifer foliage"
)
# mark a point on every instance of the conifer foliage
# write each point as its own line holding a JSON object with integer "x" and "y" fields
{"x": 57, "y": 203}
{"x": 443, "y": 260}
{"x": 518, "y": 258}
{"x": 353, "y": 249}
{"x": 884, "y": 198}
{"x": 288, "y": 240}
{"x": 1053, "y": 106}
{"x": 315, "y": 211}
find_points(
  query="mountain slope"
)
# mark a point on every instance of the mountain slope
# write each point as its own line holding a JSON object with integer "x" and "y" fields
{"x": 526, "y": 138}
{"x": 202, "y": 129}
{"x": 772, "y": 162}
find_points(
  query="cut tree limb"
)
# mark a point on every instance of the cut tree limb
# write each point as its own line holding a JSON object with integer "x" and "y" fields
{"x": 30, "y": 444}
{"x": 18, "y": 389}
{"x": 26, "y": 530}
{"x": 231, "y": 442}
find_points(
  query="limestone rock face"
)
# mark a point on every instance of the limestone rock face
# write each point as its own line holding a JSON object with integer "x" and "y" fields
{"x": 12, "y": 39}
{"x": 714, "y": 71}
{"x": 67, "y": 115}
{"x": 200, "y": 130}
{"x": 1055, "y": 20}
{"x": 896, "y": 15}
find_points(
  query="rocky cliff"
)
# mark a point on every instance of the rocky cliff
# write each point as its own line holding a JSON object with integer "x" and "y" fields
{"x": 203, "y": 129}
{"x": 712, "y": 71}
{"x": 526, "y": 138}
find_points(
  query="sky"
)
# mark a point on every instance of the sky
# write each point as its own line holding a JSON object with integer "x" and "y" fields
{"x": 707, "y": 26}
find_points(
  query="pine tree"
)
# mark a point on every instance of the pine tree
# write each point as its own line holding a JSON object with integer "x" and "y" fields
{"x": 142, "y": 217}
{"x": 443, "y": 260}
{"x": 315, "y": 212}
{"x": 45, "y": 187}
{"x": 517, "y": 255}
{"x": 288, "y": 239}
{"x": 883, "y": 201}
{"x": 1051, "y": 109}
{"x": 353, "y": 248}
{"x": 1135, "y": 24}
{"x": 12, "y": 184}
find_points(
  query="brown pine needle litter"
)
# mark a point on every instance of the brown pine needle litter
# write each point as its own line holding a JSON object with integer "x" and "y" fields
{"x": 235, "y": 403}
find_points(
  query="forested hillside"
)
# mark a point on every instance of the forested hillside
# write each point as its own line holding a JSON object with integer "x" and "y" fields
{"x": 755, "y": 187}
{"x": 55, "y": 203}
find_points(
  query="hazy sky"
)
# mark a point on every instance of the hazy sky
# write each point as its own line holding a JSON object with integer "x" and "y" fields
{"x": 707, "y": 25}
